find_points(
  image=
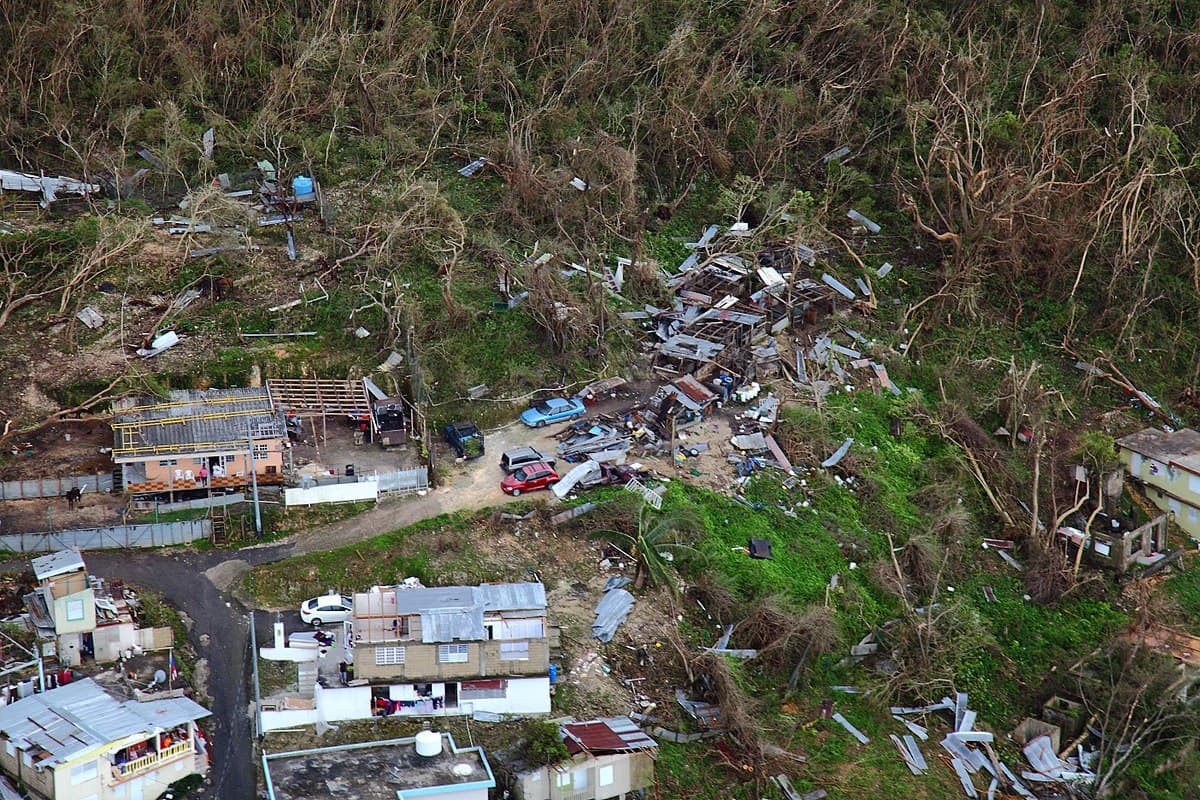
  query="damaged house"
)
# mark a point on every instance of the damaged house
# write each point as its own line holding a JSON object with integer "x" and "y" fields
{"x": 78, "y": 616}
{"x": 199, "y": 439}
{"x": 77, "y": 742}
{"x": 610, "y": 758}
{"x": 1167, "y": 464}
{"x": 417, "y": 651}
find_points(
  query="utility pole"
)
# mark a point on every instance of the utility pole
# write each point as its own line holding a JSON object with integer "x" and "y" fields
{"x": 254, "y": 483}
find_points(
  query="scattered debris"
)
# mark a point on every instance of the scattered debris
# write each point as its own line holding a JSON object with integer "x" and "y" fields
{"x": 612, "y": 610}
{"x": 474, "y": 167}
{"x": 855, "y": 732}
{"x": 871, "y": 226}
{"x": 160, "y": 343}
{"x": 707, "y": 715}
{"x": 89, "y": 316}
{"x": 838, "y": 454}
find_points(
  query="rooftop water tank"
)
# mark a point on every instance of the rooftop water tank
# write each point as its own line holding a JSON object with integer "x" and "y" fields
{"x": 429, "y": 744}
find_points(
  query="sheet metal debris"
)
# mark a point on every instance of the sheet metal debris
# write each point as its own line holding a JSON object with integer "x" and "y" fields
{"x": 473, "y": 167}
{"x": 870, "y": 225}
{"x": 838, "y": 454}
{"x": 855, "y": 732}
{"x": 612, "y": 610}
{"x": 89, "y": 316}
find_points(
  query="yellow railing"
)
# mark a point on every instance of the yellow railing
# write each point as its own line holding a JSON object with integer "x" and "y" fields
{"x": 151, "y": 760}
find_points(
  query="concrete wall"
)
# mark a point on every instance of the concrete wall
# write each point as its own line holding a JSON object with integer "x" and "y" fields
{"x": 110, "y": 640}
{"x": 1172, "y": 489}
{"x": 291, "y": 718}
{"x": 63, "y": 605}
{"x": 352, "y": 702}
{"x": 483, "y": 660}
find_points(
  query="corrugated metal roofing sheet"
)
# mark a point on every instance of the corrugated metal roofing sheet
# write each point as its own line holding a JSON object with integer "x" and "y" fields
{"x": 59, "y": 563}
{"x": 512, "y": 596}
{"x": 190, "y": 417}
{"x": 73, "y": 718}
{"x": 610, "y": 734}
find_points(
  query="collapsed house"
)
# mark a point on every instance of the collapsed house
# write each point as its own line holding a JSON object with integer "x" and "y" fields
{"x": 78, "y": 616}
{"x": 728, "y": 305}
{"x": 609, "y": 758}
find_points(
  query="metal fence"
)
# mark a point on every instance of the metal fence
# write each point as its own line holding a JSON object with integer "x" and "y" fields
{"x": 159, "y": 534}
{"x": 55, "y": 487}
{"x": 409, "y": 480}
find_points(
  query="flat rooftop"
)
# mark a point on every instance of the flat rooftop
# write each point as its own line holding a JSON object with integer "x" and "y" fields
{"x": 374, "y": 771}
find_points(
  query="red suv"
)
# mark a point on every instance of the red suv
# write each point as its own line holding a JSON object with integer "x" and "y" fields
{"x": 529, "y": 478}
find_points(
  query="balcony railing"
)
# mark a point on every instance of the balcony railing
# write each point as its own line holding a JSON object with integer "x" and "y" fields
{"x": 151, "y": 760}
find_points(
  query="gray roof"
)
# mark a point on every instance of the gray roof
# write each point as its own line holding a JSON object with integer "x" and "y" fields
{"x": 450, "y": 613}
{"x": 66, "y": 721}
{"x": 59, "y": 563}
{"x": 1163, "y": 446}
{"x": 192, "y": 420}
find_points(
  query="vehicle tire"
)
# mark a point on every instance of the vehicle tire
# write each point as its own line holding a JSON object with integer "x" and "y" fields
{"x": 541, "y": 423}
{"x": 516, "y": 492}
{"x": 316, "y": 623}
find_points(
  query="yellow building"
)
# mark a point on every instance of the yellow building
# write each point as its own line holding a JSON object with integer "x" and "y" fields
{"x": 77, "y": 742}
{"x": 1168, "y": 464}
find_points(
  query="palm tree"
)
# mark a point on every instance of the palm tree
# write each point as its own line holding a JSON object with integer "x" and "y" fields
{"x": 655, "y": 544}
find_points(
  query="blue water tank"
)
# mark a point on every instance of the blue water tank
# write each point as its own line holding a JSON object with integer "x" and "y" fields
{"x": 554, "y": 673}
{"x": 302, "y": 184}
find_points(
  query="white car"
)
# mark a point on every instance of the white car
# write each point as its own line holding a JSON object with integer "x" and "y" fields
{"x": 330, "y": 608}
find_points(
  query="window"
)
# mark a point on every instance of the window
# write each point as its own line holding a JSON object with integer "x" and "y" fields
{"x": 9, "y": 747}
{"x": 604, "y": 775}
{"x": 389, "y": 656}
{"x": 514, "y": 651}
{"x": 74, "y": 610}
{"x": 261, "y": 451}
{"x": 199, "y": 461}
{"x": 230, "y": 459}
{"x": 84, "y": 772}
{"x": 168, "y": 462}
{"x": 521, "y": 629}
{"x": 452, "y": 653}
{"x": 1193, "y": 515}
{"x": 579, "y": 779}
{"x": 482, "y": 690}
{"x": 1194, "y": 484}
{"x": 562, "y": 779}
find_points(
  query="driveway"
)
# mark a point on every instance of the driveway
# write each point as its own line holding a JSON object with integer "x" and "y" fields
{"x": 199, "y": 584}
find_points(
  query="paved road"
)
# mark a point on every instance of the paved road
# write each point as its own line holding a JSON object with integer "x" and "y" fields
{"x": 198, "y": 583}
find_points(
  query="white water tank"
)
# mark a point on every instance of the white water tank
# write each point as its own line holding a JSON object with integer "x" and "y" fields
{"x": 429, "y": 744}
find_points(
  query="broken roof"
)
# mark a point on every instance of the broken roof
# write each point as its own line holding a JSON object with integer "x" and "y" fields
{"x": 1180, "y": 447}
{"x": 383, "y": 770}
{"x": 194, "y": 421}
{"x": 607, "y": 735}
{"x": 450, "y": 613}
{"x": 71, "y": 719}
{"x": 59, "y": 563}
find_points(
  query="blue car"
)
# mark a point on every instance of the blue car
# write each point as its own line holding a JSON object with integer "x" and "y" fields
{"x": 555, "y": 409}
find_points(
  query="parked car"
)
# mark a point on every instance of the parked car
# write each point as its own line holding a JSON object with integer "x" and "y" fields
{"x": 330, "y": 608}
{"x": 554, "y": 409}
{"x": 512, "y": 460}
{"x": 465, "y": 437}
{"x": 529, "y": 478}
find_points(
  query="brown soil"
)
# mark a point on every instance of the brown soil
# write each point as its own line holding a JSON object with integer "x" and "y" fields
{"x": 48, "y": 452}
{"x": 53, "y": 513}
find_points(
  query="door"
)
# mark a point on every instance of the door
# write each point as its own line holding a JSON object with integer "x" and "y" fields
{"x": 451, "y": 696}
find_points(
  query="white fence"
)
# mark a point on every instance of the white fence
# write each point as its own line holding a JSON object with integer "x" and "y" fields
{"x": 159, "y": 534}
{"x": 55, "y": 487}
{"x": 409, "y": 480}
{"x": 333, "y": 493}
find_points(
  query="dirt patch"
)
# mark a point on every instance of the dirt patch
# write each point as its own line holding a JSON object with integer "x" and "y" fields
{"x": 53, "y": 513}
{"x": 62, "y": 449}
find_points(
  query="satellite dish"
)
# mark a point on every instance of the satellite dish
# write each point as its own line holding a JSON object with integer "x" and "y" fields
{"x": 160, "y": 676}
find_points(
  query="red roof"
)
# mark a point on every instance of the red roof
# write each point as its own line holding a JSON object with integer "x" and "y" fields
{"x": 611, "y": 735}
